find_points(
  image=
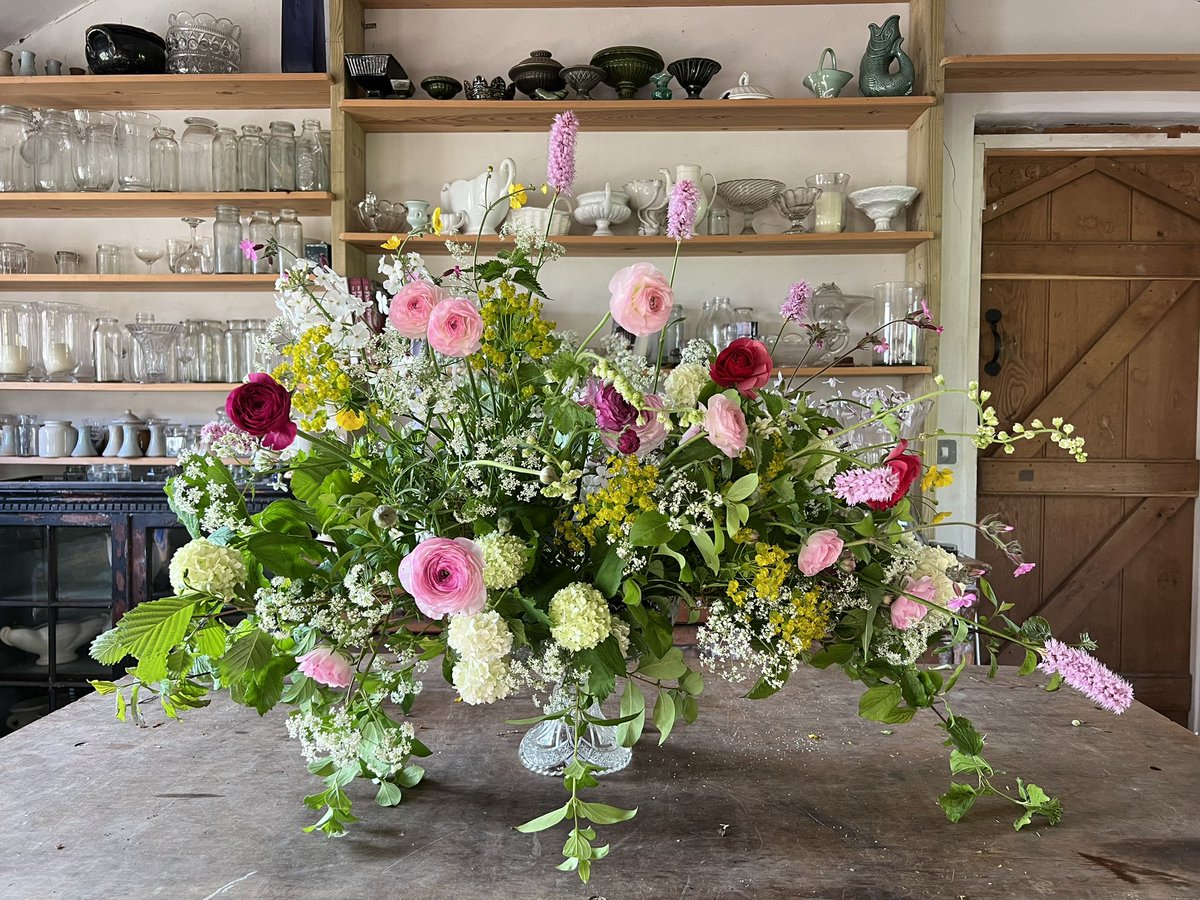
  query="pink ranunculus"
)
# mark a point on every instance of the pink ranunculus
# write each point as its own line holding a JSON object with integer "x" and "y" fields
{"x": 725, "y": 425}
{"x": 327, "y": 667}
{"x": 820, "y": 551}
{"x": 640, "y": 299}
{"x": 455, "y": 328}
{"x": 263, "y": 407}
{"x": 907, "y": 612}
{"x": 411, "y": 307}
{"x": 445, "y": 577}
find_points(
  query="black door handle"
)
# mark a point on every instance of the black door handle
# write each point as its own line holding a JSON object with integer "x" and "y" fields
{"x": 992, "y": 366}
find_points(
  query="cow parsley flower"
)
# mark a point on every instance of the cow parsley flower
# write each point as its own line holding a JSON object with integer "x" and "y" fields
{"x": 203, "y": 567}
{"x": 579, "y": 617}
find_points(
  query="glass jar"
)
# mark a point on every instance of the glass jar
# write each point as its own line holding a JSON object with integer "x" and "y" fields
{"x": 66, "y": 262}
{"x": 830, "y": 314}
{"x": 164, "y": 160}
{"x": 134, "y": 131}
{"x": 743, "y": 325}
{"x": 14, "y": 258}
{"x": 289, "y": 235}
{"x": 210, "y": 357}
{"x": 16, "y": 167}
{"x": 27, "y": 429}
{"x": 281, "y": 157}
{"x": 225, "y": 160}
{"x": 261, "y": 231}
{"x": 80, "y": 339}
{"x": 56, "y": 326}
{"x": 326, "y": 157}
{"x": 237, "y": 364}
{"x": 96, "y": 156}
{"x": 676, "y": 338}
{"x": 718, "y": 220}
{"x": 252, "y": 159}
{"x": 196, "y": 154}
{"x": 53, "y": 149}
{"x": 256, "y": 336}
{"x": 108, "y": 259}
{"x": 700, "y": 330}
{"x": 310, "y": 156}
{"x": 894, "y": 301}
{"x": 719, "y": 323}
{"x": 830, "y": 208}
{"x": 227, "y": 239}
{"x": 108, "y": 338}
{"x": 18, "y": 341}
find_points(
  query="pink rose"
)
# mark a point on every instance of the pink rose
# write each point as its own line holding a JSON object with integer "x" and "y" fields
{"x": 640, "y": 299}
{"x": 455, "y": 328}
{"x": 725, "y": 425}
{"x": 445, "y": 576}
{"x": 412, "y": 306}
{"x": 820, "y": 551}
{"x": 907, "y": 612}
{"x": 327, "y": 667}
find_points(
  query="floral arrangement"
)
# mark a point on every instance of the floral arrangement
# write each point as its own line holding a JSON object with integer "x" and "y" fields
{"x": 470, "y": 485}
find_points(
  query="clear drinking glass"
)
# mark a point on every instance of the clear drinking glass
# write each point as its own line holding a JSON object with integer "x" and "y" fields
{"x": 175, "y": 247}
{"x": 134, "y": 131}
{"x": 208, "y": 261}
{"x": 905, "y": 343}
{"x": 227, "y": 239}
{"x": 108, "y": 259}
{"x": 310, "y": 157}
{"x": 189, "y": 261}
{"x": 830, "y": 207}
{"x": 96, "y": 155}
{"x": 225, "y": 160}
{"x": 164, "y": 160}
{"x": 149, "y": 255}
{"x": 196, "y": 154}
{"x": 211, "y": 351}
{"x": 14, "y": 259}
{"x": 17, "y": 125}
{"x": 66, "y": 262}
{"x": 188, "y": 349}
{"x": 252, "y": 159}
{"x": 281, "y": 157}
{"x": 237, "y": 365}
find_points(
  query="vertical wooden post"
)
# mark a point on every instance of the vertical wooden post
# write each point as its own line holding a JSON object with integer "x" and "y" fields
{"x": 348, "y": 166}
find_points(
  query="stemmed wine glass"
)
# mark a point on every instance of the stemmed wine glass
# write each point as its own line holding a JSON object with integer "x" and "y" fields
{"x": 149, "y": 255}
{"x": 190, "y": 260}
{"x": 187, "y": 348}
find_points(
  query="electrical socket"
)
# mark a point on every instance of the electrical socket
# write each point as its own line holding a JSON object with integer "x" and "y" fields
{"x": 947, "y": 452}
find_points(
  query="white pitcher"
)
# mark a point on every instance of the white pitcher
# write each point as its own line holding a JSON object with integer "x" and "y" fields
{"x": 696, "y": 175}
{"x": 473, "y": 198}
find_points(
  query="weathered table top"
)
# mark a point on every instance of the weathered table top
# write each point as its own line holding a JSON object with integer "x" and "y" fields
{"x": 817, "y": 802}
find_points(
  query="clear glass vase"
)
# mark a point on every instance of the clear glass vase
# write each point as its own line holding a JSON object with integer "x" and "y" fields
{"x": 548, "y": 747}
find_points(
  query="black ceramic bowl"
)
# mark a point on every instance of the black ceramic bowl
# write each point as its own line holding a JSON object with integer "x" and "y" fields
{"x": 441, "y": 87}
{"x": 124, "y": 50}
{"x": 694, "y": 74}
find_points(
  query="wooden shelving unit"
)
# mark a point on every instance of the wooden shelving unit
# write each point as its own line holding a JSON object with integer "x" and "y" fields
{"x": 243, "y": 91}
{"x": 585, "y": 245}
{"x": 1072, "y": 72}
{"x": 109, "y": 283}
{"x": 855, "y": 371}
{"x": 599, "y": 4}
{"x": 792, "y": 114}
{"x": 61, "y": 461}
{"x": 118, "y": 387}
{"x": 78, "y": 204}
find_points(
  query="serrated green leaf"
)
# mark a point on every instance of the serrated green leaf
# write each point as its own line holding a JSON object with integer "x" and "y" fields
{"x": 249, "y": 652}
{"x": 153, "y": 629}
{"x": 108, "y": 649}
{"x": 210, "y": 641}
{"x": 964, "y": 737}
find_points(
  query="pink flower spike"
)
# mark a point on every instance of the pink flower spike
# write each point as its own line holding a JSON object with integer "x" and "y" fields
{"x": 560, "y": 162}
{"x": 681, "y": 210}
{"x": 1024, "y": 569}
{"x": 1088, "y": 675}
{"x": 795, "y": 307}
{"x": 249, "y": 250}
{"x": 863, "y": 485}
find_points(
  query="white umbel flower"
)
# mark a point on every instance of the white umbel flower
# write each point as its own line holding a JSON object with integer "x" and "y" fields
{"x": 482, "y": 680}
{"x": 579, "y": 617}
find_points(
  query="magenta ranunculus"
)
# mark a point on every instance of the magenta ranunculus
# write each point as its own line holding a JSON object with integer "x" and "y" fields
{"x": 455, "y": 328}
{"x": 640, "y": 299}
{"x": 820, "y": 551}
{"x": 263, "y": 407}
{"x": 613, "y": 412}
{"x": 745, "y": 364}
{"x": 907, "y": 612}
{"x": 445, "y": 577}
{"x": 622, "y": 426}
{"x": 411, "y": 307}
{"x": 326, "y": 667}
{"x": 725, "y": 425}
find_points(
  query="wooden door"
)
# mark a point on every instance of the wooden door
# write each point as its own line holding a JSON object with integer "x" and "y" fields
{"x": 1091, "y": 279}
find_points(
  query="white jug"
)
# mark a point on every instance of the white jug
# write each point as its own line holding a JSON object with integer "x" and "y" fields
{"x": 696, "y": 175}
{"x": 483, "y": 200}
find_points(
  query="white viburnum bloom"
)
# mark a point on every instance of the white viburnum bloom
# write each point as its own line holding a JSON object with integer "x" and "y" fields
{"x": 203, "y": 567}
{"x": 503, "y": 560}
{"x": 934, "y": 562}
{"x": 484, "y": 635}
{"x": 579, "y": 617}
{"x": 482, "y": 680}
{"x": 684, "y": 384}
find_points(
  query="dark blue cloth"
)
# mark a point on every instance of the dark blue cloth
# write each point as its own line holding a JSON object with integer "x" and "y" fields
{"x": 303, "y": 36}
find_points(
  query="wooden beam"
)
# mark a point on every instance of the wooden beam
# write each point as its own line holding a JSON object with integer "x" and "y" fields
{"x": 1072, "y": 72}
{"x": 1039, "y": 188}
{"x": 1095, "y": 259}
{"x": 1071, "y": 598}
{"x": 1189, "y": 206}
{"x": 1101, "y": 477}
{"x": 1090, "y": 371}
{"x": 348, "y": 165}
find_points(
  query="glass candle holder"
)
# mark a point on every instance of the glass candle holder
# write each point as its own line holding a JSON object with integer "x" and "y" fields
{"x": 830, "y": 207}
{"x": 18, "y": 341}
{"x": 59, "y": 358}
{"x": 894, "y": 300}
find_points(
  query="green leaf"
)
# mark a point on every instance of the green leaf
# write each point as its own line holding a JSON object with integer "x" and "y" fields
{"x": 108, "y": 649}
{"x": 878, "y": 702}
{"x": 288, "y": 555}
{"x": 633, "y": 703}
{"x": 603, "y": 814}
{"x": 249, "y": 652}
{"x": 763, "y": 688}
{"x": 650, "y": 529}
{"x": 964, "y": 737}
{"x": 957, "y": 801}
{"x": 962, "y": 762}
{"x": 1030, "y": 664}
{"x": 664, "y": 716}
{"x": 210, "y": 641}
{"x": 262, "y": 688}
{"x": 743, "y": 487}
{"x": 548, "y": 820}
{"x": 631, "y": 592}
{"x": 103, "y": 687}
{"x": 287, "y": 517}
{"x": 692, "y": 683}
{"x": 151, "y": 630}
{"x": 834, "y": 654}
{"x": 609, "y": 574}
{"x": 389, "y": 794}
{"x": 707, "y": 549}
{"x": 670, "y": 667}
{"x": 1054, "y": 683}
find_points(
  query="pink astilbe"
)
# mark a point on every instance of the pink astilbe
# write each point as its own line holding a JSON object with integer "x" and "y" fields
{"x": 560, "y": 162}
{"x": 795, "y": 307}
{"x": 1088, "y": 675}
{"x": 864, "y": 485}
{"x": 681, "y": 210}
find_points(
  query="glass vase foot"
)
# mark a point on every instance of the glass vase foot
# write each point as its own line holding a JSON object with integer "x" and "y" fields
{"x": 548, "y": 747}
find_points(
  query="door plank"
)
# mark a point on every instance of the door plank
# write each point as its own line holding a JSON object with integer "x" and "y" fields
{"x": 1091, "y": 259}
{"x": 1022, "y": 378}
{"x": 1105, "y": 355}
{"x": 1039, "y": 188}
{"x": 1104, "y": 564}
{"x": 1103, "y": 477}
{"x": 1147, "y": 185}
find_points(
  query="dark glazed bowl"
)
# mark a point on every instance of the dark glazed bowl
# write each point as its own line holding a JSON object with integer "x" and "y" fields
{"x": 441, "y": 87}
{"x": 694, "y": 74}
{"x": 628, "y": 69}
{"x": 540, "y": 70}
{"x": 124, "y": 50}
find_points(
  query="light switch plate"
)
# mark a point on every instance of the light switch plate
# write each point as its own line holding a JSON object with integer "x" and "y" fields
{"x": 947, "y": 452}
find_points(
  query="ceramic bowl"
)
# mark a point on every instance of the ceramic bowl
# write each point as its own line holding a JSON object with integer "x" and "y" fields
{"x": 441, "y": 87}
{"x": 884, "y": 203}
{"x": 69, "y": 636}
{"x": 582, "y": 79}
{"x": 602, "y": 209}
{"x": 124, "y": 50}
{"x": 694, "y": 73}
{"x": 628, "y": 69}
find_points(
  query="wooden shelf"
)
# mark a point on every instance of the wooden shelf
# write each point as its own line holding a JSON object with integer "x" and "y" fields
{"x": 578, "y": 245}
{"x": 807, "y": 114}
{"x": 130, "y": 204}
{"x": 599, "y": 4}
{"x": 86, "y": 461}
{"x": 118, "y": 387}
{"x": 106, "y": 283}
{"x": 186, "y": 92}
{"x": 855, "y": 371}
{"x": 1072, "y": 72}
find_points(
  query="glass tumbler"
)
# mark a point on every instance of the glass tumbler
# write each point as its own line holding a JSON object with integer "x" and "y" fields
{"x": 134, "y": 131}
{"x": 164, "y": 160}
{"x": 830, "y": 207}
{"x": 894, "y": 301}
{"x": 96, "y": 155}
{"x": 14, "y": 258}
{"x": 66, "y": 262}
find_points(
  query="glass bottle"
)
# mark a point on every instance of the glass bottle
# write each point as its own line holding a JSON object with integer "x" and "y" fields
{"x": 262, "y": 232}
{"x": 16, "y": 164}
{"x": 676, "y": 338}
{"x": 164, "y": 160}
{"x": 281, "y": 157}
{"x": 108, "y": 338}
{"x": 53, "y": 149}
{"x": 237, "y": 364}
{"x": 256, "y": 335}
{"x": 830, "y": 207}
{"x": 196, "y": 154}
{"x": 719, "y": 324}
{"x": 289, "y": 235}
{"x": 227, "y": 238}
{"x": 134, "y": 131}
{"x": 96, "y": 156}
{"x": 252, "y": 159}
{"x": 702, "y": 323}
{"x": 225, "y": 160}
{"x": 310, "y": 157}
{"x": 108, "y": 259}
{"x": 744, "y": 325}
{"x": 326, "y": 158}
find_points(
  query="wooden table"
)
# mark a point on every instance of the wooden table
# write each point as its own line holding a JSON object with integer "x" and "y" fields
{"x": 788, "y": 797}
